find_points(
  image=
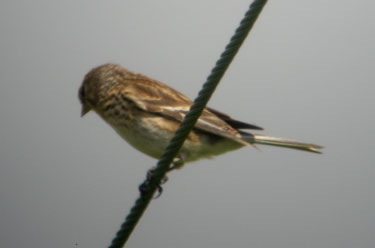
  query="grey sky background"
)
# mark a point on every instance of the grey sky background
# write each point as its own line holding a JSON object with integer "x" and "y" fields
{"x": 306, "y": 72}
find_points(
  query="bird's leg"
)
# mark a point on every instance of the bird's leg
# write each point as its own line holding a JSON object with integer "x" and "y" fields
{"x": 143, "y": 188}
{"x": 177, "y": 163}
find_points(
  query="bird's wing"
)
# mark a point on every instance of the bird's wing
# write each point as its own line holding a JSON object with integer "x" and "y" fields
{"x": 233, "y": 122}
{"x": 153, "y": 96}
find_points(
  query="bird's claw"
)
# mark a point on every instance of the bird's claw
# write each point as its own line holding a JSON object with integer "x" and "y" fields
{"x": 145, "y": 186}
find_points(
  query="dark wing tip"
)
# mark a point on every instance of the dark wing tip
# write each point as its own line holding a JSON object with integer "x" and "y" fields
{"x": 232, "y": 122}
{"x": 242, "y": 125}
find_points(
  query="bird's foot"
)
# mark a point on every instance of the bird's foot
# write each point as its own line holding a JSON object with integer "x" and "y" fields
{"x": 145, "y": 186}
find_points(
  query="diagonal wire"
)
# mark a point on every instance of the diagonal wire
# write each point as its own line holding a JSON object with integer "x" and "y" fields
{"x": 188, "y": 123}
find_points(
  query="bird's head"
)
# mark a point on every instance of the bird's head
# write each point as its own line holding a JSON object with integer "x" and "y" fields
{"x": 95, "y": 82}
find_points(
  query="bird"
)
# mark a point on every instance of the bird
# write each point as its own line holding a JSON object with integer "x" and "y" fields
{"x": 146, "y": 113}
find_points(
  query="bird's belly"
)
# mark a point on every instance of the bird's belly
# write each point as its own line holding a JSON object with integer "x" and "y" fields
{"x": 145, "y": 138}
{"x": 152, "y": 134}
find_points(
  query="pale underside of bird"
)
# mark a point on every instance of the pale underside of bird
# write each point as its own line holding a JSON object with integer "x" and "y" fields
{"x": 146, "y": 113}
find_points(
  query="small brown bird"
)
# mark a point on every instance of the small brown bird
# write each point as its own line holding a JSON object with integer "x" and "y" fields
{"x": 146, "y": 113}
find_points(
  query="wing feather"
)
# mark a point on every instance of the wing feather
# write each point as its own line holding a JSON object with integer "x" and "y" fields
{"x": 156, "y": 97}
{"x": 232, "y": 122}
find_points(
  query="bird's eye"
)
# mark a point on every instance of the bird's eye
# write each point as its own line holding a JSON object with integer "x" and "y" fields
{"x": 81, "y": 94}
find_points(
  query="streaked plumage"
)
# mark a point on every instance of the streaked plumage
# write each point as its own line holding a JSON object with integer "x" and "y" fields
{"x": 146, "y": 113}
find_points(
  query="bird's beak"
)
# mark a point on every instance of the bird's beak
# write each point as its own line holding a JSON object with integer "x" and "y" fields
{"x": 85, "y": 109}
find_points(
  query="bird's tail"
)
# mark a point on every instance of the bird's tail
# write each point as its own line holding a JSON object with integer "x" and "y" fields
{"x": 267, "y": 140}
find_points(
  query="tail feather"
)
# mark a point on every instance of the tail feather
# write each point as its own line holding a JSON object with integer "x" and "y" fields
{"x": 267, "y": 140}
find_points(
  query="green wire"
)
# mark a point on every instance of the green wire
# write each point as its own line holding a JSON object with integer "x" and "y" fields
{"x": 188, "y": 123}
